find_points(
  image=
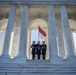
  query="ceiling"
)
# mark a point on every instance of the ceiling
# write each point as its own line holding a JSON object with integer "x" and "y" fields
{"x": 35, "y": 11}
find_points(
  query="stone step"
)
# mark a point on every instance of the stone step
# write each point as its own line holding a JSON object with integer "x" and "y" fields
{"x": 37, "y": 69}
{"x": 34, "y": 74}
{"x": 38, "y": 65}
{"x": 69, "y": 69}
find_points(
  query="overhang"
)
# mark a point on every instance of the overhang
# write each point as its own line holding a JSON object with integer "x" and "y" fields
{"x": 64, "y": 2}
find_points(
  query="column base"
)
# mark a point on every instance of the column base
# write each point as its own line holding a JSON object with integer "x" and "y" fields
{"x": 7, "y": 59}
{"x": 19, "y": 59}
{"x": 59, "y": 60}
{"x": 56, "y": 60}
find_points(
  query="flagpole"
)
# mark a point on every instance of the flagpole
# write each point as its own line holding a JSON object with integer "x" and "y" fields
{"x": 38, "y": 32}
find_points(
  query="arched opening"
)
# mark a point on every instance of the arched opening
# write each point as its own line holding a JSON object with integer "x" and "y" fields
{"x": 72, "y": 24}
{"x": 14, "y": 39}
{"x": 33, "y": 36}
{"x": 3, "y": 26}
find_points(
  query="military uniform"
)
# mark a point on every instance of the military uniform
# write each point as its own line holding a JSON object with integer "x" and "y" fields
{"x": 38, "y": 50}
{"x": 43, "y": 51}
{"x": 33, "y": 46}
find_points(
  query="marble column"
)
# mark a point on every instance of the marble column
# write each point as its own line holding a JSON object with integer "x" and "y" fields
{"x": 52, "y": 35}
{"x": 10, "y": 25}
{"x": 23, "y": 36}
{"x": 5, "y": 58}
{"x": 66, "y": 30}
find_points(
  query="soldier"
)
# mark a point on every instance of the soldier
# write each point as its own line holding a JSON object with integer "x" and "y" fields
{"x": 33, "y": 46}
{"x": 38, "y": 50}
{"x": 44, "y": 50}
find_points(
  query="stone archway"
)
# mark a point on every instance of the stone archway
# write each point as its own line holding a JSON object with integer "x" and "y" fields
{"x": 14, "y": 40}
{"x": 72, "y": 24}
{"x": 3, "y": 26}
{"x": 33, "y": 27}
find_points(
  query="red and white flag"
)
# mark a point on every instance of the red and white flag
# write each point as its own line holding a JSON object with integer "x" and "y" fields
{"x": 42, "y": 33}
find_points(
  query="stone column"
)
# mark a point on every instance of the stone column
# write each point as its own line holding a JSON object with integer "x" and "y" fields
{"x": 23, "y": 36}
{"x": 8, "y": 33}
{"x": 52, "y": 35}
{"x": 16, "y": 37}
{"x": 66, "y": 31}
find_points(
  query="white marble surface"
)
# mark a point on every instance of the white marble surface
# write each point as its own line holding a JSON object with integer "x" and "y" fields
{"x": 66, "y": 30}
{"x": 23, "y": 35}
{"x": 9, "y": 30}
{"x": 52, "y": 33}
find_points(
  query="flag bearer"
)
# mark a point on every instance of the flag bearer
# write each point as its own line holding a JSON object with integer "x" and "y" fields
{"x": 38, "y": 50}
{"x": 33, "y": 46}
{"x": 43, "y": 50}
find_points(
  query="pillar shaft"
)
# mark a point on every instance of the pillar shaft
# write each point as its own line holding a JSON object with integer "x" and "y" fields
{"x": 52, "y": 34}
{"x": 66, "y": 30}
{"x": 23, "y": 34}
{"x": 5, "y": 58}
{"x": 9, "y": 30}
